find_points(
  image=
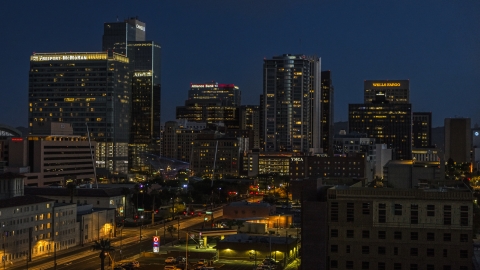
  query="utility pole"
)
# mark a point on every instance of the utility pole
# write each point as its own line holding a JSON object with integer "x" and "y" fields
{"x": 178, "y": 228}
{"x": 53, "y": 238}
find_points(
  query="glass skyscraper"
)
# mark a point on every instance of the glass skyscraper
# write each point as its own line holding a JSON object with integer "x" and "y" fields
{"x": 128, "y": 38}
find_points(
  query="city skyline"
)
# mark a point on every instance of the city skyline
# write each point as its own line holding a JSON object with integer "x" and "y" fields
{"x": 423, "y": 42}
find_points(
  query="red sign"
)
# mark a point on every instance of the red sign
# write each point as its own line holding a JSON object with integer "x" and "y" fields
{"x": 155, "y": 239}
{"x": 16, "y": 139}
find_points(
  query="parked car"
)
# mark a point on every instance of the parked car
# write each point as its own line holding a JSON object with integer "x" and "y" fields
{"x": 202, "y": 262}
{"x": 169, "y": 267}
{"x": 170, "y": 260}
{"x": 269, "y": 261}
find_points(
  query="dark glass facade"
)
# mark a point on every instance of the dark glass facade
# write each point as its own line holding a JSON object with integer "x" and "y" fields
{"x": 116, "y": 35}
{"x": 145, "y": 59}
{"x": 226, "y": 94}
{"x": 85, "y": 88}
{"x": 389, "y": 124}
{"x": 422, "y": 129}
{"x": 327, "y": 110}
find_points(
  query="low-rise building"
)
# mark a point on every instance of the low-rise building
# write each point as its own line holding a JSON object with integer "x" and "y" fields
{"x": 243, "y": 210}
{"x": 99, "y": 198}
{"x": 256, "y": 248}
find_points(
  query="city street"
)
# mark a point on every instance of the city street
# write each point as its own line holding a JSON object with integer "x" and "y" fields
{"x": 128, "y": 245}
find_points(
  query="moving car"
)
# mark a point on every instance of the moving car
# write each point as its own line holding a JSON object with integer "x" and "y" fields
{"x": 170, "y": 260}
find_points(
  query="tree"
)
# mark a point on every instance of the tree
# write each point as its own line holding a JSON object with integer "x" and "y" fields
{"x": 105, "y": 247}
{"x": 171, "y": 230}
{"x": 72, "y": 190}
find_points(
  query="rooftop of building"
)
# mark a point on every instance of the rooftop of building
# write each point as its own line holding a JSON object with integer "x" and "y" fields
{"x": 246, "y": 238}
{"x": 80, "y": 192}
{"x": 244, "y": 203}
{"x": 23, "y": 200}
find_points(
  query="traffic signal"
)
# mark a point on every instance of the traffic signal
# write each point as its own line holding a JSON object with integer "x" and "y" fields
{"x": 156, "y": 211}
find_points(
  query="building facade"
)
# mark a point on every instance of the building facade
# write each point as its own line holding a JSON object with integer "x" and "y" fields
{"x": 389, "y": 124}
{"x": 144, "y": 137}
{"x": 78, "y": 88}
{"x": 396, "y": 91}
{"x": 215, "y": 157}
{"x": 378, "y": 228}
{"x": 422, "y": 129}
{"x": 458, "y": 139}
{"x": 327, "y": 113}
{"x": 227, "y": 94}
{"x": 178, "y": 138}
{"x": 292, "y": 104}
{"x": 116, "y": 35}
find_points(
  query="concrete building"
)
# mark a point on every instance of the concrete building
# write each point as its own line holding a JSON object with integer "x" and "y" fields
{"x": 243, "y": 210}
{"x": 255, "y": 163}
{"x": 177, "y": 139}
{"x": 256, "y": 248}
{"x": 292, "y": 104}
{"x": 95, "y": 223}
{"x": 352, "y": 166}
{"x": 344, "y": 144}
{"x": 458, "y": 139}
{"x": 111, "y": 198}
{"x": 410, "y": 174}
{"x": 383, "y": 228}
{"x": 52, "y": 157}
{"x": 26, "y": 226}
{"x": 215, "y": 156}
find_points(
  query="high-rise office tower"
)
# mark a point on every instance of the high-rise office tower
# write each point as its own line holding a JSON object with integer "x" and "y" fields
{"x": 77, "y": 88}
{"x": 422, "y": 129}
{"x": 116, "y": 35}
{"x": 129, "y": 38}
{"x": 397, "y": 91}
{"x": 227, "y": 94}
{"x": 212, "y": 103}
{"x": 145, "y": 113}
{"x": 327, "y": 128}
{"x": 292, "y": 101}
{"x": 458, "y": 139}
{"x": 389, "y": 123}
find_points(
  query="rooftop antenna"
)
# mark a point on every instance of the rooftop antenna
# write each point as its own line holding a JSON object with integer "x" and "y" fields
{"x": 91, "y": 154}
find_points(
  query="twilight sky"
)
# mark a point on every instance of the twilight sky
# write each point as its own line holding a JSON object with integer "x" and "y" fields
{"x": 435, "y": 44}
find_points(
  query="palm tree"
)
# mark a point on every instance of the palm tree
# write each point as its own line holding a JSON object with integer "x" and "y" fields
{"x": 105, "y": 247}
{"x": 171, "y": 229}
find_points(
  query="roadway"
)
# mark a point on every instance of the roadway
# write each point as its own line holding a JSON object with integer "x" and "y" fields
{"x": 127, "y": 246}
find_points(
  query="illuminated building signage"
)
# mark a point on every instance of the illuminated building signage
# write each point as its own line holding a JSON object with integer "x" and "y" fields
{"x": 16, "y": 139}
{"x": 156, "y": 244}
{"x": 66, "y": 57}
{"x": 140, "y": 27}
{"x": 383, "y": 84}
{"x": 76, "y": 57}
{"x": 206, "y": 85}
{"x": 296, "y": 159}
{"x": 142, "y": 74}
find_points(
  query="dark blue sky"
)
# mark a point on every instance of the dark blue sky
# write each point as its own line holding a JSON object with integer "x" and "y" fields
{"x": 435, "y": 44}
